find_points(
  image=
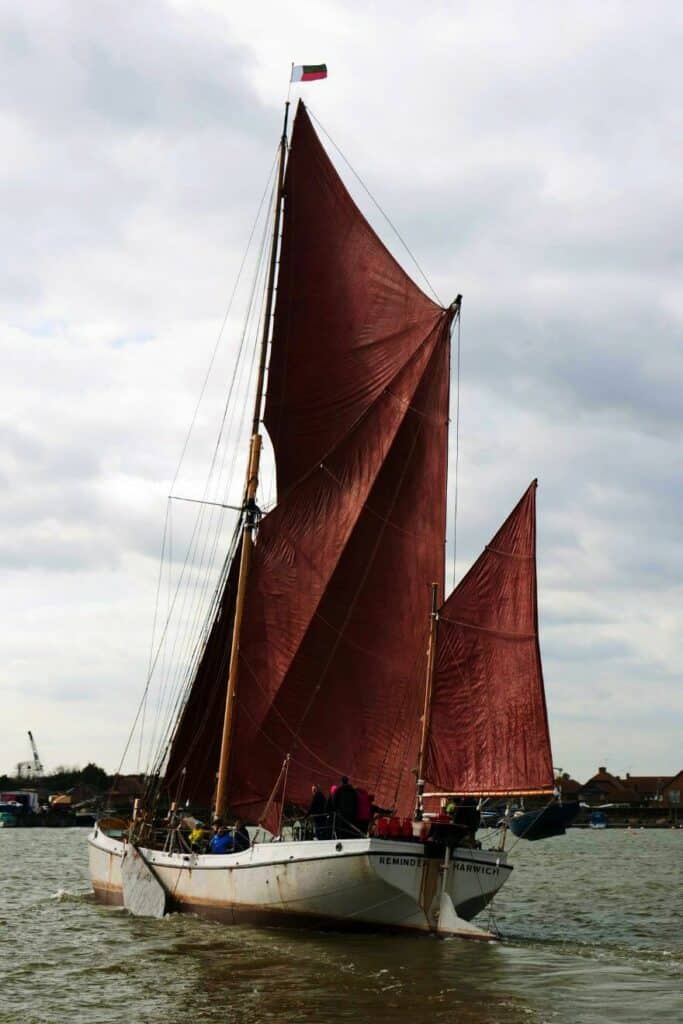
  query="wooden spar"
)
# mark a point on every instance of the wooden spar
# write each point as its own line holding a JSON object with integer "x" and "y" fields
{"x": 454, "y": 791}
{"x": 454, "y": 309}
{"x": 270, "y": 291}
{"x": 250, "y": 511}
{"x": 426, "y": 714}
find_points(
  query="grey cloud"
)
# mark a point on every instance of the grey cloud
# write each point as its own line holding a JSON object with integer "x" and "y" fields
{"x": 533, "y": 168}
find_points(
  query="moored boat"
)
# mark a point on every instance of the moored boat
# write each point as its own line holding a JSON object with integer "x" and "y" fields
{"x": 545, "y": 822}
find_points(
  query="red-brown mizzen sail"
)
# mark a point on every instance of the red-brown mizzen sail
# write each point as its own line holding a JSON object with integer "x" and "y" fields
{"x": 488, "y": 729}
{"x": 337, "y": 601}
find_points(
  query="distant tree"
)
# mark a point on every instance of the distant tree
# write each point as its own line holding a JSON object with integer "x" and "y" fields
{"x": 61, "y": 779}
{"x": 93, "y": 775}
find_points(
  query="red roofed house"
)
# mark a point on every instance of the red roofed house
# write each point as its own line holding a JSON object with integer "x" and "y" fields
{"x": 672, "y": 790}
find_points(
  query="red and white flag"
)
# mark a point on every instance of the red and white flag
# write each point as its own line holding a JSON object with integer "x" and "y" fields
{"x": 308, "y": 72}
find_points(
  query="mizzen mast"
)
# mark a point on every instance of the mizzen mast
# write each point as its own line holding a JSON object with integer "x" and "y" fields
{"x": 426, "y": 713}
{"x": 454, "y": 309}
{"x": 249, "y": 509}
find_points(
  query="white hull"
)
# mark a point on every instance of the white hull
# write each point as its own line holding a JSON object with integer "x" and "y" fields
{"x": 336, "y": 883}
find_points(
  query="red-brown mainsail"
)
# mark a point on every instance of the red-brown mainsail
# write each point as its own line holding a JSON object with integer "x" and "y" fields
{"x": 488, "y": 730}
{"x": 333, "y": 635}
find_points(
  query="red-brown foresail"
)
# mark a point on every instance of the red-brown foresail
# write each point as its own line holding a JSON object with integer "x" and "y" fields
{"x": 488, "y": 725}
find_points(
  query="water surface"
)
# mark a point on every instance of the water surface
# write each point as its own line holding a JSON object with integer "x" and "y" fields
{"x": 591, "y": 924}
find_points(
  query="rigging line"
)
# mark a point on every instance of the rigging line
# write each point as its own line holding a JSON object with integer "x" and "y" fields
{"x": 141, "y": 705}
{"x": 457, "y": 457}
{"x": 195, "y": 655}
{"x": 225, "y": 320}
{"x": 269, "y": 328}
{"x": 369, "y": 193}
{"x": 198, "y": 589}
{"x": 194, "y": 542}
{"x": 158, "y": 651}
{"x": 193, "y": 629}
{"x": 203, "y": 501}
{"x": 211, "y": 615}
{"x": 153, "y": 659}
{"x": 154, "y": 629}
{"x": 166, "y": 669}
{"x": 174, "y": 718}
{"x": 187, "y": 676}
{"x": 183, "y": 690}
{"x": 191, "y": 652}
{"x": 198, "y": 731}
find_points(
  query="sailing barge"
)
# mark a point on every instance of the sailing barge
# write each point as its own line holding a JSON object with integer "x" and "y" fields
{"x": 330, "y": 649}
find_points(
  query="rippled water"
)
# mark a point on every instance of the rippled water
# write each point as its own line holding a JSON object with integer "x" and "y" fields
{"x": 592, "y": 924}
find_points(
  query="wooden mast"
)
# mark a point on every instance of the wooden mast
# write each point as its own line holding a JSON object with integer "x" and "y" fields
{"x": 426, "y": 713}
{"x": 454, "y": 309}
{"x": 250, "y": 510}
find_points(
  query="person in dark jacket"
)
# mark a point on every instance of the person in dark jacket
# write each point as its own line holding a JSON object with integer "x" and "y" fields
{"x": 317, "y": 813}
{"x": 345, "y": 809}
{"x": 241, "y": 837}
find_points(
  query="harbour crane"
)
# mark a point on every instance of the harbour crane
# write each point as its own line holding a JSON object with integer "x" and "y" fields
{"x": 31, "y": 769}
{"x": 37, "y": 763}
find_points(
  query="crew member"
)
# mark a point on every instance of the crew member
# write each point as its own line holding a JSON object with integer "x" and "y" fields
{"x": 241, "y": 840}
{"x": 222, "y": 841}
{"x": 317, "y": 813}
{"x": 345, "y": 807}
{"x": 197, "y": 837}
{"x": 466, "y": 815}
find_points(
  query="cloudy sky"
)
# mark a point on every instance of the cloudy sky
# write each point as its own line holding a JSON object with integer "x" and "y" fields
{"x": 530, "y": 154}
